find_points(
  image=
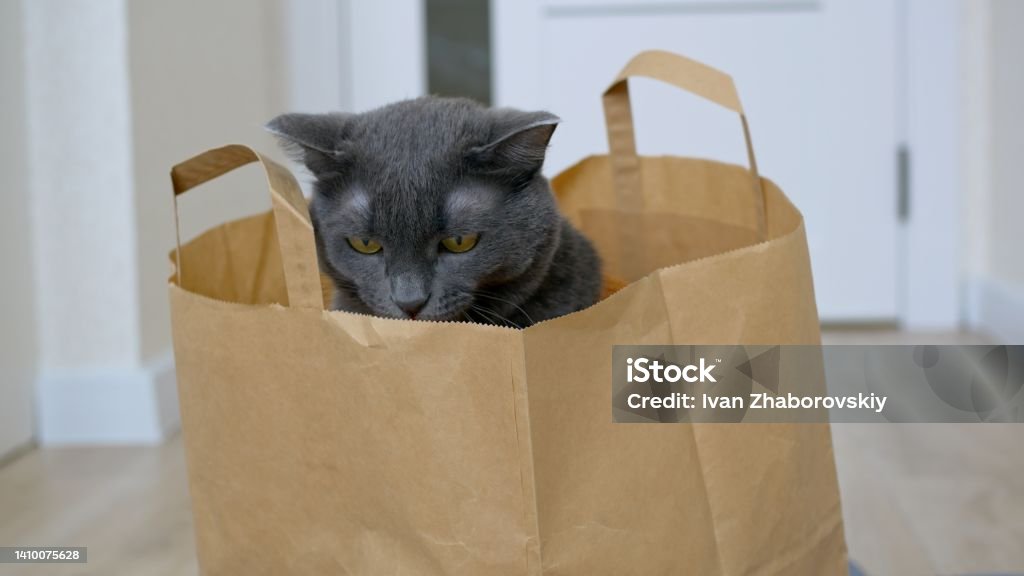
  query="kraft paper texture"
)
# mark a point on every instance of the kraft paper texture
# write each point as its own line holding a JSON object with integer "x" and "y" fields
{"x": 324, "y": 442}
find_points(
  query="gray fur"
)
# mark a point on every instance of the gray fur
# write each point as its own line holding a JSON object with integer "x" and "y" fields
{"x": 412, "y": 173}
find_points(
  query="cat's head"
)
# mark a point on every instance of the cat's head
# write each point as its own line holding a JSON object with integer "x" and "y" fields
{"x": 426, "y": 208}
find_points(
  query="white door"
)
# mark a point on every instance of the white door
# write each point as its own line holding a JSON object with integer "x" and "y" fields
{"x": 818, "y": 80}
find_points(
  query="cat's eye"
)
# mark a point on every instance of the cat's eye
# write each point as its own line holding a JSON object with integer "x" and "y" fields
{"x": 364, "y": 245}
{"x": 459, "y": 244}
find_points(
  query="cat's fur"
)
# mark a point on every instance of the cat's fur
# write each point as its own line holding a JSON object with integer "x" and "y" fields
{"x": 415, "y": 172}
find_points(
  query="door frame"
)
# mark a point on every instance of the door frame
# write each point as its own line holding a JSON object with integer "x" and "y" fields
{"x": 327, "y": 54}
{"x": 928, "y": 278}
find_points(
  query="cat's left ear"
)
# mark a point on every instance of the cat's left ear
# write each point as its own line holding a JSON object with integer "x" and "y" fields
{"x": 519, "y": 143}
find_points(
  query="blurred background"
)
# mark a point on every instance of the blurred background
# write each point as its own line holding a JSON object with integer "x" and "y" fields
{"x": 895, "y": 125}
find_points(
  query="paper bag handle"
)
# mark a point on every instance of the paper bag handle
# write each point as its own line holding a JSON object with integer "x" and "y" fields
{"x": 685, "y": 74}
{"x": 291, "y": 216}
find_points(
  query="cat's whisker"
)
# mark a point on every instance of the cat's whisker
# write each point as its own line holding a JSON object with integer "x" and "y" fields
{"x": 484, "y": 294}
{"x": 494, "y": 315}
{"x": 482, "y": 313}
{"x": 484, "y": 318}
{"x": 488, "y": 318}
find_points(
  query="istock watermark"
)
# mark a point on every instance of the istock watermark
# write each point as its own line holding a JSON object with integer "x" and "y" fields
{"x": 673, "y": 384}
{"x": 646, "y": 368}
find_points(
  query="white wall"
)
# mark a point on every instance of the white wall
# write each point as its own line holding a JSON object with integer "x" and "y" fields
{"x": 82, "y": 204}
{"x": 976, "y": 95}
{"x": 318, "y": 55}
{"x": 17, "y": 298}
{"x": 1007, "y": 205}
{"x": 79, "y": 153}
{"x": 388, "y": 52}
{"x": 994, "y": 202}
{"x": 117, "y": 92}
{"x": 202, "y": 74}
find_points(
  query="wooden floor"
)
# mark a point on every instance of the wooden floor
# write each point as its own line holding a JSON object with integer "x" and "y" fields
{"x": 130, "y": 507}
{"x": 918, "y": 499}
{"x": 930, "y": 498}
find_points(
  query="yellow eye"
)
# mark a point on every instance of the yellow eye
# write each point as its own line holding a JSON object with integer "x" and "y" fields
{"x": 364, "y": 245}
{"x": 459, "y": 244}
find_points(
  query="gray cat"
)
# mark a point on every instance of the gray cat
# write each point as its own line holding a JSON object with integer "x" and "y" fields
{"x": 436, "y": 209}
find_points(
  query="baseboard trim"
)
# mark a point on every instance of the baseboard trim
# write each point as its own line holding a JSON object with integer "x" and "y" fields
{"x": 19, "y": 450}
{"x": 996, "y": 308}
{"x": 130, "y": 405}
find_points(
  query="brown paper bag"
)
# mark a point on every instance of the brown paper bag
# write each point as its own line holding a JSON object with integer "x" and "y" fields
{"x": 326, "y": 442}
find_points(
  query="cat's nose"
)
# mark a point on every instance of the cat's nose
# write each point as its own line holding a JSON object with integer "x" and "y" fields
{"x": 411, "y": 304}
{"x": 409, "y": 293}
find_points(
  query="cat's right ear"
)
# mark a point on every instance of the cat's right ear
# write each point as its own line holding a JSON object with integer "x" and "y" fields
{"x": 519, "y": 141}
{"x": 319, "y": 141}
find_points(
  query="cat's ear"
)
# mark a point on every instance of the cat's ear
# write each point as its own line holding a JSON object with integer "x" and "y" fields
{"x": 518, "y": 144}
{"x": 319, "y": 141}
